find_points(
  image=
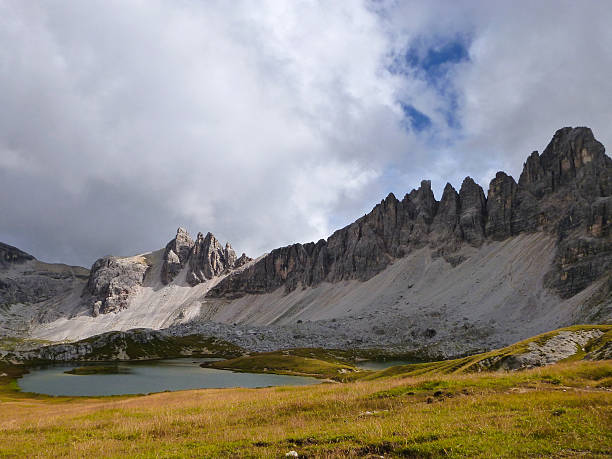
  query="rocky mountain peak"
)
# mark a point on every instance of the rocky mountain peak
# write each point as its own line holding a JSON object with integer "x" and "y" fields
{"x": 445, "y": 226}
{"x": 243, "y": 260}
{"x": 565, "y": 192}
{"x": 209, "y": 258}
{"x": 573, "y": 155}
{"x": 424, "y": 201}
{"x": 176, "y": 255}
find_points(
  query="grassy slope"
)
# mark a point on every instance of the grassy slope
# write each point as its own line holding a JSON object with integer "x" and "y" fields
{"x": 493, "y": 359}
{"x": 10, "y": 343}
{"x": 338, "y": 364}
{"x": 444, "y": 408}
{"x": 559, "y": 410}
{"x": 284, "y": 363}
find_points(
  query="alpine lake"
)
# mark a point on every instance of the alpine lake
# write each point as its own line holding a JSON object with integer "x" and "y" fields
{"x": 144, "y": 377}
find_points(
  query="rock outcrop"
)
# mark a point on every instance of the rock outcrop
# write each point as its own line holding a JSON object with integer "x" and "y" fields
{"x": 205, "y": 258}
{"x": 176, "y": 255}
{"x": 25, "y": 280}
{"x": 473, "y": 212}
{"x": 10, "y": 255}
{"x": 566, "y": 191}
{"x": 113, "y": 281}
{"x": 209, "y": 259}
{"x": 500, "y": 203}
{"x": 243, "y": 260}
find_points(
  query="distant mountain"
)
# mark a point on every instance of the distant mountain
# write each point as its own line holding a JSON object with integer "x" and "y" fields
{"x": 471, "y": 271}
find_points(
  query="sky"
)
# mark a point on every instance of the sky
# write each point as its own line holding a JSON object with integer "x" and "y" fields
{"x": 272, "y": 122}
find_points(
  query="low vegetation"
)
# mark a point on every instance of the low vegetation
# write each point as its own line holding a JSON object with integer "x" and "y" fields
{"x": 422, "y": 410}
{"x": 97, "y": 370}
{"x": 340, "y": 365}
{"x": 561, "y": 410}
{"x": 9, "y": 343}
{"x": 495, "y": 359}
{"x": 284, "y": 363}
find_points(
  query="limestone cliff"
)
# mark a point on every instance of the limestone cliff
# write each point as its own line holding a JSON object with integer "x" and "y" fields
{"x": 566, "y": 191}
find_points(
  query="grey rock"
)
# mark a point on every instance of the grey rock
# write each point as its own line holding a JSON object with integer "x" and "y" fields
{"x": 565, "y": 191}
{"x": 473, "y": 211}
{"x": 209, "y": 259}
{"x": 176, "y": 255}
{"x": 27, "y": 281}
{"x": 10, "y": 255}
{"x": 501, "y": 202}
{"x": 243, "y": 260}
{"x": 113, "y": 281}
{"x": 230, "y": 256}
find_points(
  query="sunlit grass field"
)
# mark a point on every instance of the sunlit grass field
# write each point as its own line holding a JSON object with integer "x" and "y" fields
{"x": 563, "y": 410}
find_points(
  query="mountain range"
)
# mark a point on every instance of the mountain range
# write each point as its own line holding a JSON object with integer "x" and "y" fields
{"x": 471, "y": 271}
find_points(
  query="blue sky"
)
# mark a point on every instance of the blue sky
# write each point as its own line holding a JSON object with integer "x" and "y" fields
{"x": 270, "y": 122}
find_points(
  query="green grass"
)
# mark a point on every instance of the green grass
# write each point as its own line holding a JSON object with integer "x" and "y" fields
{"x": 492, "y": 414}
{"x": 97, "y": 370}
{"x": 430, "y": 409}
{"x": 338, "y": 365}
{"x": 422, "y": 410}
{"x": 9, "y": 343}
{"x": 493, "y": 360}
{"x": 285, "y": 363}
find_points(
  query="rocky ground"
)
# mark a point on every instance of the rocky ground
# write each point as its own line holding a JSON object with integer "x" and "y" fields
{"x": 559, "y": 347}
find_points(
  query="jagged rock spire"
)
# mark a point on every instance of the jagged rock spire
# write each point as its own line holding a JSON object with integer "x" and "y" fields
{"x": 176, "y": 254}
{"x": 500, "y": 204}
{"x": 205, "y": 257}
{"x": 473, "y": 211}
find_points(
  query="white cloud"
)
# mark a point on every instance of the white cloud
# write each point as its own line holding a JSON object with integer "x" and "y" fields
{"x": 268, "y": 122}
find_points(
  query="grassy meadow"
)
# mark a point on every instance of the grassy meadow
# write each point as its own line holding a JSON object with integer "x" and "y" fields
{"x": 563, "y": 410}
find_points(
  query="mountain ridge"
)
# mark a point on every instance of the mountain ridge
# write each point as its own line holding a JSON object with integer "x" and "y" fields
{"x": 457, "y": 268}
{"x": 573, "y": 168}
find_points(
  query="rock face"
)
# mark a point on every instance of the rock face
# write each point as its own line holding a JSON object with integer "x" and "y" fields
{"x": 205, "y": 257}
{"x": 566, "y": 191}
{"x": 113, "y": 281}
{"x": 209, "y": 259}
{"x": 500, "y": 203}
{"x": 176, "y": 254}
{"x": 473, "y": 212}
{"x": 243, "y": 260}
{"x": 10, "y": 255}
{"x": 25, "y": 280}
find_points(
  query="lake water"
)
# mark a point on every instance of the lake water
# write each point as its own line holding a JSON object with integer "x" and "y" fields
{"x": 381, "y": 364}
{"x": 147, "y": 377}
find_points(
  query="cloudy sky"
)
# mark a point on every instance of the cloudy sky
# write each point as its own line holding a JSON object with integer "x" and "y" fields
{"x": 271, "y": 122}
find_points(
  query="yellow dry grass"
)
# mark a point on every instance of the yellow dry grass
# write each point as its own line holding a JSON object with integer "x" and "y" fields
{"x": 554, "y": 411}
